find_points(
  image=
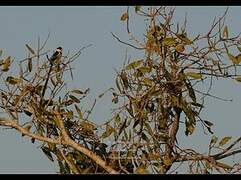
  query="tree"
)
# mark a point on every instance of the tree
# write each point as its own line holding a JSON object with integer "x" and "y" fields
{"x": 154, "y": 95}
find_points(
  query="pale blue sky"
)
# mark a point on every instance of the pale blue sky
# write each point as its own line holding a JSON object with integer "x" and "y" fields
{"x": 74, "y": 27}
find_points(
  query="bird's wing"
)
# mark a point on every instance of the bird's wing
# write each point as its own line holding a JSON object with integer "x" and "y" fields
{"x": 54, "y": 56}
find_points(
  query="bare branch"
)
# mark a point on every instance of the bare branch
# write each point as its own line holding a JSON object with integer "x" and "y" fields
{"x": 221, "y": 154}
{"x": 79, "y": 147}
{"x": 15, "y": 125}
{"x": 126, "y": 43}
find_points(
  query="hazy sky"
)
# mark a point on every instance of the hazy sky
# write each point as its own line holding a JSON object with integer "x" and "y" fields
{"x": 75, "y": 27}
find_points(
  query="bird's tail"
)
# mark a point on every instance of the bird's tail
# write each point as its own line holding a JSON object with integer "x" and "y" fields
{"x": 45, "y": 85}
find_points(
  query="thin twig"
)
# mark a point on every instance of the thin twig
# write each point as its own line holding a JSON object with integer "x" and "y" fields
{"x": 221, "y": 154}
{"x": 216, "y": 97}
{"x": 126, "y": 43}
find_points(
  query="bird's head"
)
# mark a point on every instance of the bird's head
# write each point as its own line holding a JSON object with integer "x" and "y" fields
{"x": 59, "y": 49}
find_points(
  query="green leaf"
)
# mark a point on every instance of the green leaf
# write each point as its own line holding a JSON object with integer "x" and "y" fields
{"x": 189, "y": 129}
{"x": 117, "y": 119}
{"x": 30, "y": 64}
{"x": 138, "y": 74}
{"x": 180, "y": 48}
{"x": 184, "y": 38}
{"x": 197, "y": 104}
{"x": 164, "y": 138}
{"x": 109, "y": 130}
{"x": 149, "y": 129}
{"x": 144, "y": 137}
{"x": 190, "y": 120}
{"x": 224, "y": 141}
{"x": 30, "y": 49}
{"x": 59, "y": 78}
{"x": 77, "y": 91}
{"x": 6, "y": 64}
{"x": 238, "y": 57}
{"x": 233, "y": 58}
{"x": 117, "y": 84}
{"x": 225, "y": 32}
{"x": 12, "y": 80}
{"x": 123, "y": 126}
{"x": 78, "y": 111}
{"x": 190, "y": 91}
{"x": 193, "y": 75}
{"x": 238, "y": 78}
{"x": 137, "y": 8}
{"x": 28, "y": 113}
{"x": 124, "y": 16}
{"x": 88, "y": 125}
{"x": 125, "y": 137}
{"x": 208, "y": 123}
{"x": 52, "y": 146}
{"x": 124, "y": 79}
{"x": 75, "y": 99}
{"x": 214, "y": 139}
{"x": 139, "y": 88}
{"x": 70, "y": 115}
{"x": 1, "y": 52}
{"x": 137, "y": 121}
{"x": 69, "y": 156}
{"x": 147, "y": 81}
{"x": 102, "y": 94}
{"x": 169, "y": 41}
{"x": 144, "y": 69}
{"x": 47, "y": 153}
{"x": 209, "y": 129}
{"x": 134, "y": 64}
{"x": 61, "y": 167}
{"x": 130, "y": 110}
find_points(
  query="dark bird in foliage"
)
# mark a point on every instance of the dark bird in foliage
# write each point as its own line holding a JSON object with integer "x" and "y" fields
{"x": 57, "y": 54}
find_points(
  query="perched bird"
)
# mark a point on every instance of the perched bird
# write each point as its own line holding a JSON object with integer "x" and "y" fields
{"x": 57, "y": 55}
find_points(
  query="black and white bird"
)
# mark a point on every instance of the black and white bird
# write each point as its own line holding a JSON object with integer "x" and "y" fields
{"x": 56, "y": 56}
